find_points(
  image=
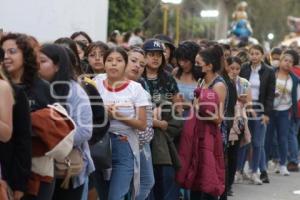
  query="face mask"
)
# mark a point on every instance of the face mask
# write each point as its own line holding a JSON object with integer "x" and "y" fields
{"x": 275, "y": 63}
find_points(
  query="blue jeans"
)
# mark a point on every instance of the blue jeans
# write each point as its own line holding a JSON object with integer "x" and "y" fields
{"x": 165, "y": 187}
{"x": 271, "y": 145}
{"x": 258, "y": 133}
{"x": 293, "y": 142}
{"x": 122, "y": 169}
{"x": 280, "y": 122}
{"x": 242, "y": 157}
{"x": 146, "y": 173}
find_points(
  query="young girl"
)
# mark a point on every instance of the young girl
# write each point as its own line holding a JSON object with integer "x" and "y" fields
{"x": 284, "y": 108}
{"x": 162, "y": 87}
{"x": 56, "y": 68}
{"x": 235, "y": 139}
{"x": 187, "y": 73}
{"x": 94, "y": 54}
{"x": 211, "y": 60}
{"x": 262, "y": 80}
{"x": 134, "y": 70}
{"x": 20, "y": 63}
{"x": 126, "y": 106}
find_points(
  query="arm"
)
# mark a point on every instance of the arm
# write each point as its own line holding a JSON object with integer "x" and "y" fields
{"x": 221, "y": 91}
{"x": 269, "y": 97}
{"x": 139, "y": 123}
{"x": 6, "y": 106}
{"x": 81, "y": 113}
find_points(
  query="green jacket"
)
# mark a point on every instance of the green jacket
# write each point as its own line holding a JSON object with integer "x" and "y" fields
{"x": 163, "y": 147}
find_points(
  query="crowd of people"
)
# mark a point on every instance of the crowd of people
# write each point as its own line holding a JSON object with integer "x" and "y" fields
{"x": 144, "y": 119}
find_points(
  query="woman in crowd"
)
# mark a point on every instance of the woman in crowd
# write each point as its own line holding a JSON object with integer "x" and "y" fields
{"x": 77, "y": 64}
{"x": 94, "y": 54}
{"x": 168, "y": 52}
{"x": 162, "y": 87}
{"x": 262, "y": 80}
{"x": 284, "y": 109}
{"x": 56, "y": 66}
{"x": 81, "y": 47}
{"x": 81, "y": 36}
{"x": 211, "y": 61}
{"x": 126, "y": 104}
{"x": 187, "y": 73}
{"x": 21, "y": 65}
{"x": 134, "y": 70}
{"x": 243, "y": 98}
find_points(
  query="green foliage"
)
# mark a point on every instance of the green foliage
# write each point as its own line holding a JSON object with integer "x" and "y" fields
{"x": 124, "y": 15}
{"x": 265, "y": 16}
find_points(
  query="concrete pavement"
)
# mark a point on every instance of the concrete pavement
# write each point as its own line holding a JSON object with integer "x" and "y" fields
{"x": 280, "y": 188}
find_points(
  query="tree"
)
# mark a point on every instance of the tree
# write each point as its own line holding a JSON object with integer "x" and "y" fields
{"x": 124, "y": 15}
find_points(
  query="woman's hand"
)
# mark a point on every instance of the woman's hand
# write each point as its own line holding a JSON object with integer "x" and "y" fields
{"x": 265, "y": 119}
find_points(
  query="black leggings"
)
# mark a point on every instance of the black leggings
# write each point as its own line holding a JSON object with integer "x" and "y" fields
{"x": 69, "y": 194}
{"x": 202, "y": 196}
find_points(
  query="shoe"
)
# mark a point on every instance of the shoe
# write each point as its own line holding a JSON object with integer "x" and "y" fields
{"x": 238, "y": 178}
{"x": 241, "y": 177}
{"x": 264, "y": 177}
{"x": 255, "y": 179}
{"x": 284, "y": 171}
{"x": 230, "y": 193}
{"x": 293, "y": 167}
{"x": 277, "y": 168}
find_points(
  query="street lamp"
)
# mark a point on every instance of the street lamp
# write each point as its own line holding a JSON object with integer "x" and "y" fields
{"x": 209, "y": 13}
{"x": 165, "y": 9}
{"x": 172, "y": 1}
{"x": 271, "y": 36}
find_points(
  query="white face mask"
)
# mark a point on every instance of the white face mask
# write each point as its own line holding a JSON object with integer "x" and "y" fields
{"x": 275, "y": 63}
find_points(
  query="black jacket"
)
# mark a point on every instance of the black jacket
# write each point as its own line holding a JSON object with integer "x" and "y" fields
{"x": 15, "y": 155}
{"x": 267, "y": 85}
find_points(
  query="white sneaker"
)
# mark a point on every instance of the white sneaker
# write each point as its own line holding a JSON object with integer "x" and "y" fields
{"x": 238, "y": 177}
{"x": 284, "y": 171}
{"x": 255, "y": 179}
{"x": 241, "y": 177}
{"x": 277, "y": 168}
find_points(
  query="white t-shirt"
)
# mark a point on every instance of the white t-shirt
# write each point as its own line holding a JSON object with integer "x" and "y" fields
{"x": 126, "y": 99}
{"x": 283, "y": 94}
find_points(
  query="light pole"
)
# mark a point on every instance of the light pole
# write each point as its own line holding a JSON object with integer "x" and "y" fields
{"x": 209, "y": 14}
{"x": 165, "y": 10}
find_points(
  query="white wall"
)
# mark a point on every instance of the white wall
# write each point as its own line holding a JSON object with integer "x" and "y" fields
{"x": 48, "y": 20}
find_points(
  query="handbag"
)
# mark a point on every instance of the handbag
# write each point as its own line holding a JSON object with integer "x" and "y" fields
{"x": 101, "y": 153}
{"x": 69, "y": 167}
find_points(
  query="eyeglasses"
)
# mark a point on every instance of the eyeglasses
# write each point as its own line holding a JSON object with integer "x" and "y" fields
{"x": 96, "y": 54}
{"x": 11, "y": 51}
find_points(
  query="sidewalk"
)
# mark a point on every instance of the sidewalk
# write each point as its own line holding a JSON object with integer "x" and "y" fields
{"x": 280, "y": 188}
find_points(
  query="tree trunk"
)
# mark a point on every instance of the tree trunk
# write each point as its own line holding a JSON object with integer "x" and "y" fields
{"x": 222, "y": 23}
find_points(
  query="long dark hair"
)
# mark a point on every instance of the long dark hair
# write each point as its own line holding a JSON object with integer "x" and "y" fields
{"x": 84, "y": 34}
{"x": 161, "y": 74}
{"x": 214, "y": 55}
{"x": 59, "y": 56}
{"x": 29, "y": 56}
{"x": 69, "y": 43}
{"x": 187, "y": 50}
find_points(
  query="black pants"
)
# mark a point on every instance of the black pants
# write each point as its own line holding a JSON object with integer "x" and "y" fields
{"x": 202, "y": 196}
{"x": 45, "y": 192}
{"x": 69, "y": 194}
{"x": 230, "y": 166}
